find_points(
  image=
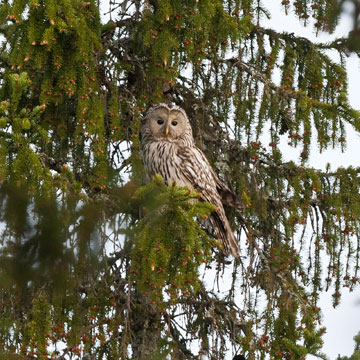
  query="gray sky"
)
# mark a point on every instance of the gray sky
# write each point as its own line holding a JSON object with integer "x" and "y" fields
{"x": 343, "y": 322}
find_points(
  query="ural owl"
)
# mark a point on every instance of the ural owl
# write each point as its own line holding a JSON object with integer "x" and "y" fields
{"x": 169, "y": 150}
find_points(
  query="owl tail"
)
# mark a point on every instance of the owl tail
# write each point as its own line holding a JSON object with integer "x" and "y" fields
{"x": 225, "y": 234}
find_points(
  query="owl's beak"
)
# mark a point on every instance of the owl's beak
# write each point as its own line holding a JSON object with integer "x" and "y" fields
{"x": 167, "y": 131}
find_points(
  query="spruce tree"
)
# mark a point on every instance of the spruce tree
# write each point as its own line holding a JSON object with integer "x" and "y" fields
{"x": 97, "y": 263}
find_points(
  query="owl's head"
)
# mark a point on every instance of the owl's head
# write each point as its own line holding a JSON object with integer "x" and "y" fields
{"x": 164, "y": 122}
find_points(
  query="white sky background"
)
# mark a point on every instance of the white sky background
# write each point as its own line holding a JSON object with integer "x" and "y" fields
{"x": 342, "y": 323}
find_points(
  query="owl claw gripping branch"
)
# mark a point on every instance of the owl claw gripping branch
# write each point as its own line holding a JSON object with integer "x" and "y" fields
{"x": 169, "y": 150}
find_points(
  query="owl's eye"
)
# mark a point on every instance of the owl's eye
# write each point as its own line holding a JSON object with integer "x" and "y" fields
{"x": 160, "y": 121}
{"x": 174, "y": 123}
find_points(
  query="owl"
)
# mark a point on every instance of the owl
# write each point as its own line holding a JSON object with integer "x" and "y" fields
{"x": 169, "y": 150}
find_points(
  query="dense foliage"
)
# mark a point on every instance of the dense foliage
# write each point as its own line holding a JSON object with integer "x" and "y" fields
{"x": 96, "y": 264}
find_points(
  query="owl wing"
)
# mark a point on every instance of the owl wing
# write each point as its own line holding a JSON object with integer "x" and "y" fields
{"x": 227, "y": 196}
{"x": 193, "y": 158}
{"x": 198, "y": 173}
{"x": 200, "y": 176}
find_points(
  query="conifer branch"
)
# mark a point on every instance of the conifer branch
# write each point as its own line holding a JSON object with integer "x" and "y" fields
{"x": 258, "y": 75}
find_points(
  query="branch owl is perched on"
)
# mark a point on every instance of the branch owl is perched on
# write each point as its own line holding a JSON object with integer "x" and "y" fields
{"x": 169, "y": 150}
